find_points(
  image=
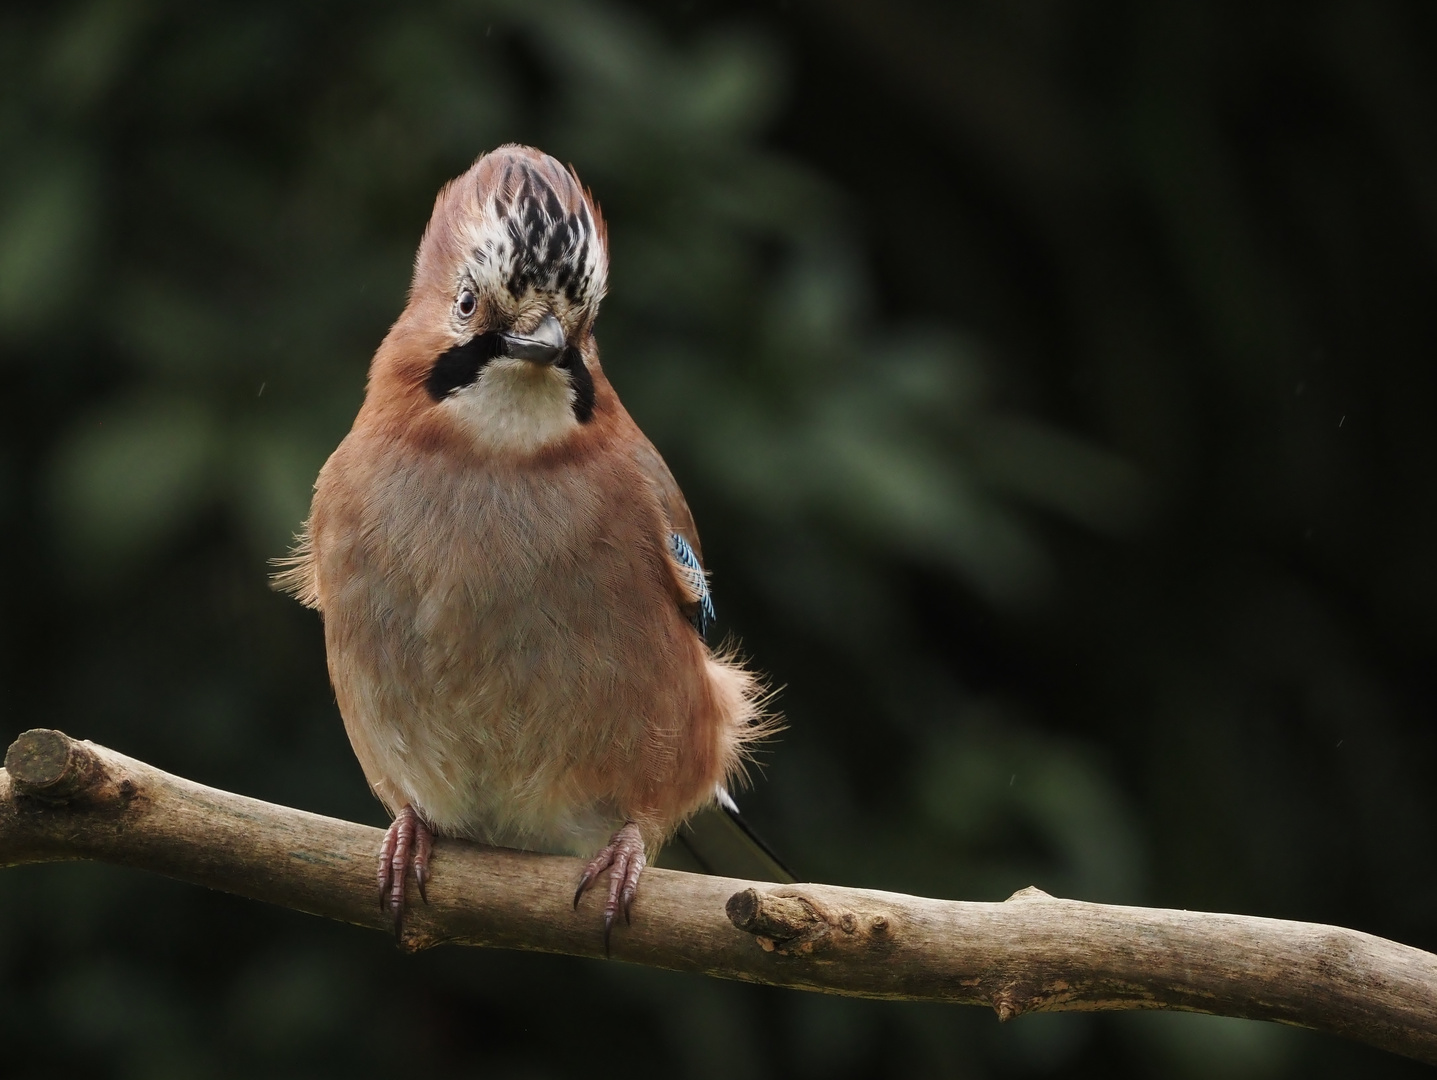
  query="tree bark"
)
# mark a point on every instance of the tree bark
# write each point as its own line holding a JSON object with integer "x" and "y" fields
{"x": 61, "y": 799}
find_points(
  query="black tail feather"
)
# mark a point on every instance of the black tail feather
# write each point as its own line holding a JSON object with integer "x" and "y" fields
{"x": 718, "y": 840}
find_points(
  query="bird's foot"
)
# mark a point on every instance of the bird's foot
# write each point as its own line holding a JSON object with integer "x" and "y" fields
{"x": 406, "y": 848}
{"x": 625, "y": 860}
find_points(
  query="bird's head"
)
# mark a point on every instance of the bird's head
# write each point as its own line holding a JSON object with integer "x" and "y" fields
{"x": 496, "y": 343}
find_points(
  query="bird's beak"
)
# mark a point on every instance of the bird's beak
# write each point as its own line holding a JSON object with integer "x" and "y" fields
{"x": 543, "y": 345}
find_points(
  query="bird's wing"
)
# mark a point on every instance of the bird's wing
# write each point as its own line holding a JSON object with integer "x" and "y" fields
{"x": 683, "y": 534}
{"x": 716, "y": 840}
{"x": 702, "y": 613}
{"x": 670, "y": 497}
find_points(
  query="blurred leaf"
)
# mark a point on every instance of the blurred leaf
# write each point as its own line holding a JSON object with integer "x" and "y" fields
{"x": 1193, "y": 1045}
{"x": 1058, "y": 472}
{"x": 91, "y": 47}
{"x": 48, "y": 234}
{"x": 273, "y": 472}
{"x": 129, "y": 476}
{"x": 1014, "y": 796}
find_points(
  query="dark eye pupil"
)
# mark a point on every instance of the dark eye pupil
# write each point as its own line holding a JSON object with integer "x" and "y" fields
{"x": 466, "y": 303}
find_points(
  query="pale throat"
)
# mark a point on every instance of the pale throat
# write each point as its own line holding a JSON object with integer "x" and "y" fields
{"x": 515, "y": 405}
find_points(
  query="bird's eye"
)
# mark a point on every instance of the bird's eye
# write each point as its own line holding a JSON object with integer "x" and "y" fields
{"x": 466, "y": 303}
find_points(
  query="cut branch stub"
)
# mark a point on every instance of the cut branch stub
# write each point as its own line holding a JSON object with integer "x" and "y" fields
{"x": 793, "y": 923}
{"x": 49, "y": 765}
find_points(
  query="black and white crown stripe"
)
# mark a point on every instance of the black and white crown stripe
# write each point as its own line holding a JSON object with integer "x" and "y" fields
{"x": 526, "y": 241}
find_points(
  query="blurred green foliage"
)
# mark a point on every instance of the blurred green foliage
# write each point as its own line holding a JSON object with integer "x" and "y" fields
{"x": 1050, "y": 385}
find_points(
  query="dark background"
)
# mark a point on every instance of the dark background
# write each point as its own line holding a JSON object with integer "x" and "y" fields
{"x": 1053, "y": 385}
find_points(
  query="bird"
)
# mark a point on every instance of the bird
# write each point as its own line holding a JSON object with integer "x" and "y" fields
{"x": 510, "y": 581}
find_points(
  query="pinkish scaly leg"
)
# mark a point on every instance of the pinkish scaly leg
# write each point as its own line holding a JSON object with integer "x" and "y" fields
{"x": 406, "y": 847}
{"x": 625, "y": 860}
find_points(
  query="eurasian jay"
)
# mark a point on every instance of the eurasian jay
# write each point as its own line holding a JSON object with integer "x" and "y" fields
{"x": 511, "y": 584}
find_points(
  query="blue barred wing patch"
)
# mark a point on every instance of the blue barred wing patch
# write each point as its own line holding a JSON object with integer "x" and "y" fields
{"x": 703, "y": 616}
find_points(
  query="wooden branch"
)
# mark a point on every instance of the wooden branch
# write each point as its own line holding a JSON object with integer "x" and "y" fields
{"x": 61, "y": 799}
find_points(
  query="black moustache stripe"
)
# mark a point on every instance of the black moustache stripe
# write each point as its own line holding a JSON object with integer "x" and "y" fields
{"x": 582, "y": 382}
{"x": 460, "y": 366}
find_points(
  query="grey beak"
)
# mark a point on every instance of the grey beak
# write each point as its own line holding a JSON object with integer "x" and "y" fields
{"x": 543, "y": 346}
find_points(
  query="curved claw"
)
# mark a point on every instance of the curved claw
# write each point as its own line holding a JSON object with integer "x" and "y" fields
{"x": 624, "y": 858}
{"x": 584, "y": 883}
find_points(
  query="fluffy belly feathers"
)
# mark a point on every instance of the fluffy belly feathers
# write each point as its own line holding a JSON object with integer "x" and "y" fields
{"x": 510, "y": 658}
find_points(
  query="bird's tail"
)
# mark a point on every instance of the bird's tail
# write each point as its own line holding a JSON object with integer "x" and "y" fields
{"x": 717, "y": 840}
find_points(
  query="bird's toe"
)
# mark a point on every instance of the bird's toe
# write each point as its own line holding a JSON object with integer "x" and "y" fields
{"x": 624, "y": 859}
{"x": 405, "y": 849}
